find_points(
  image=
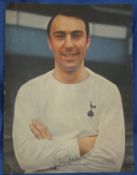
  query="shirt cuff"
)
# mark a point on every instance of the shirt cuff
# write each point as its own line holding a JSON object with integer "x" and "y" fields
{"x": 68, "y": 153}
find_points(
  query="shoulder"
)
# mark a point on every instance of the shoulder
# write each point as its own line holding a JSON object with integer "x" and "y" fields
{"x": 101, "y": 83}
{"x": 35, "y": 84}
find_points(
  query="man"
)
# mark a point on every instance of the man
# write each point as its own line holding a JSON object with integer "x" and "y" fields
{"x": 69, "y": 119}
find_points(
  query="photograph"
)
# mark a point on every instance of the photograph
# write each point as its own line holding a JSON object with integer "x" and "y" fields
{"x": 68, "y": 88}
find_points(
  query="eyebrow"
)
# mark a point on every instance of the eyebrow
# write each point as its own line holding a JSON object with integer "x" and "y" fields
{"x": 77, "y": 32}
{"x": 59, "y": 32}
{"x": 73, "y": 32}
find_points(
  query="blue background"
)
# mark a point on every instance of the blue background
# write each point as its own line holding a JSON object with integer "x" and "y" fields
{"x": 17, "y": 40}
{"x": 2, "y": 46}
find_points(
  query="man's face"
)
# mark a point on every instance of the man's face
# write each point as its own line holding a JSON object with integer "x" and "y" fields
{"x": 69, "y": 42}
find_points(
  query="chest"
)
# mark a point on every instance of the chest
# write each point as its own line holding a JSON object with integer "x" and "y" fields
{"x": 70, "y": 112}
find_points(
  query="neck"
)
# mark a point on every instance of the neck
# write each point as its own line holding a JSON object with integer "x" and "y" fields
{"x": 70, "y": 77}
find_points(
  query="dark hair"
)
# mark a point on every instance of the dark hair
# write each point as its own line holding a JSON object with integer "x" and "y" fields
{"x": 72, "y": 13}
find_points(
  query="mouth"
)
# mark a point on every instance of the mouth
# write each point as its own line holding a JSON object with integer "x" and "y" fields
{"x": 69, "y": 54}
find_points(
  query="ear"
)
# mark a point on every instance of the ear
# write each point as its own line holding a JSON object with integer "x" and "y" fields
{"x": 88, "y": 42}
{"x": 49, "y": 44}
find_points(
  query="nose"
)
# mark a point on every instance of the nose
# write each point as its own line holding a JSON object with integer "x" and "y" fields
{"x": 69, "y": 42}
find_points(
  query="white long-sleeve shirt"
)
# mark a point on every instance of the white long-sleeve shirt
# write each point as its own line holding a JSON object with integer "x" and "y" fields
{"x": 90, "y": 107}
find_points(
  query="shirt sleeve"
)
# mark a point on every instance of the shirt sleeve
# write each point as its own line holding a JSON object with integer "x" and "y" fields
{"x": 36, "y": 154}
{"x": 108, "y": 152}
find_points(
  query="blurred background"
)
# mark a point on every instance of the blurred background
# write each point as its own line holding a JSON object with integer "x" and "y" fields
{"x": 27, "y": 55}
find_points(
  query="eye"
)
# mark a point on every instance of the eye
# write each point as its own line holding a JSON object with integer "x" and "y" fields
{"x": 77, "y": 35}
{"x": 60, "y": 35}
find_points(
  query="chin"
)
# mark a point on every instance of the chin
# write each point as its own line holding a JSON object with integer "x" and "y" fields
{"x": 71, "y": 69}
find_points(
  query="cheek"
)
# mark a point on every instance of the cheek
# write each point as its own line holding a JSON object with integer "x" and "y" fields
{"x": 83, "y": 46}
{"x": 56, "y": 45}
{"x": 83, "y": 49}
